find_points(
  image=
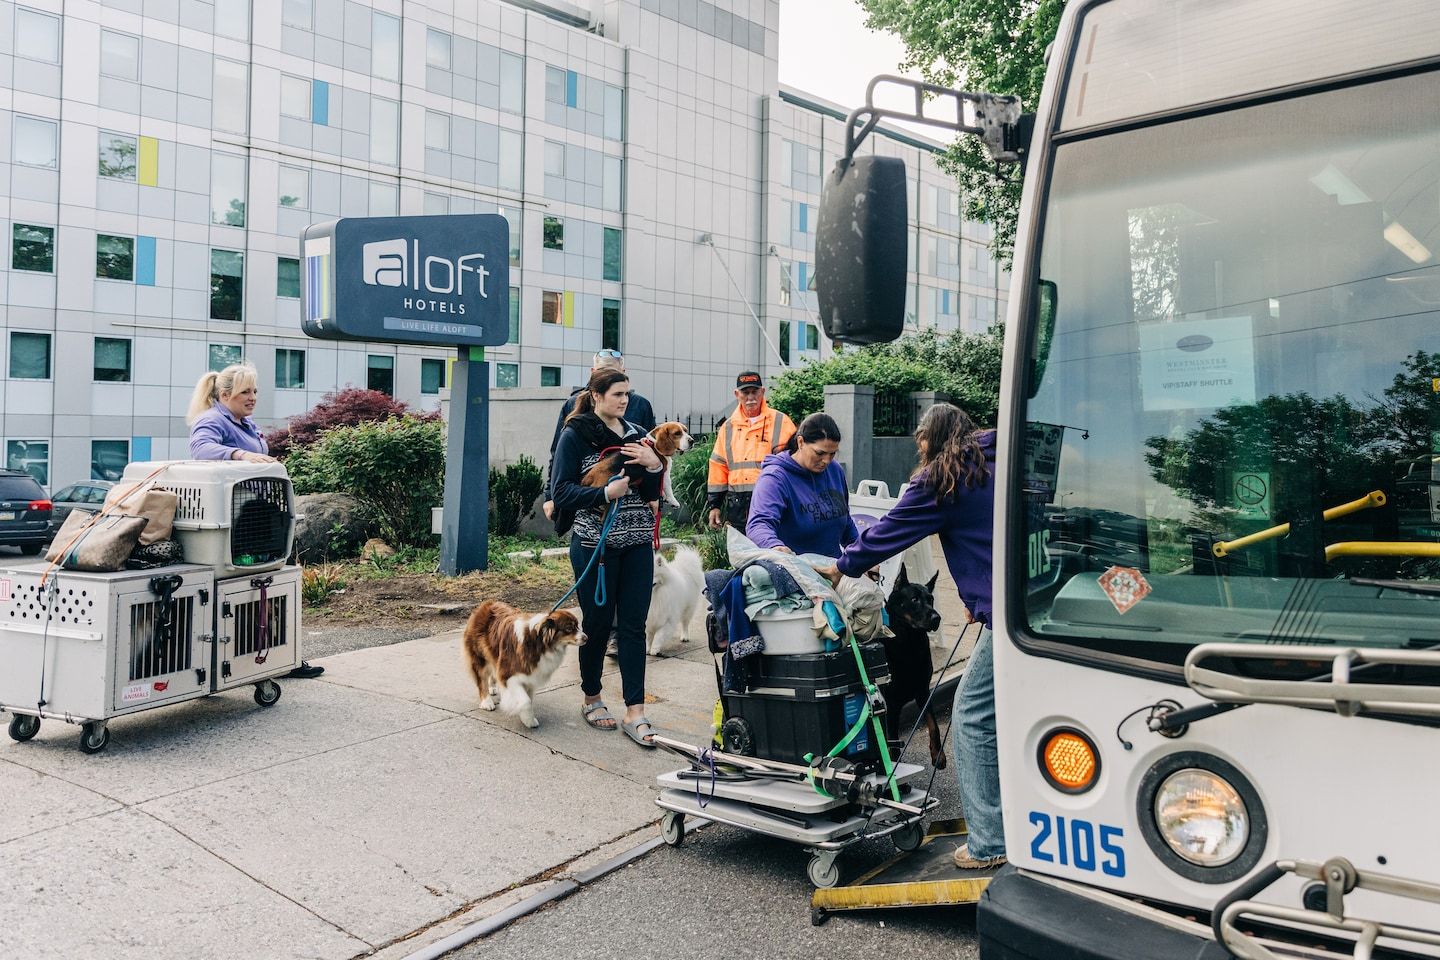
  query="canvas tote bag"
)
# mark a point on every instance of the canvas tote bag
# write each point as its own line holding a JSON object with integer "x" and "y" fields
{"x": 143, "y": 499}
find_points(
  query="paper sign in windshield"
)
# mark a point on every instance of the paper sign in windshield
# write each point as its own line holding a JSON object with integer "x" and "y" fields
{"x": 1125, "y": 586}
{"x": 1197, "y": 363}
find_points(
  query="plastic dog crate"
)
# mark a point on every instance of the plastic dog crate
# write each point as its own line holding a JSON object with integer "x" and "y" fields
{"x": 256, "y": 639}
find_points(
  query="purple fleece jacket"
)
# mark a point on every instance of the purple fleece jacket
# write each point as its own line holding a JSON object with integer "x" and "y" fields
{"x": 965, "y": 525}
{"x": 793, "y": 507}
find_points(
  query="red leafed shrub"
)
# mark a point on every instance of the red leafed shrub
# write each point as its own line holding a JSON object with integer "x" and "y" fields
{"x": 344, "y": 408}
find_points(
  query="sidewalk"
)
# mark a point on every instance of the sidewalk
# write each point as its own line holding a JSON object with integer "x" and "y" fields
{"x": 369, "y": 813}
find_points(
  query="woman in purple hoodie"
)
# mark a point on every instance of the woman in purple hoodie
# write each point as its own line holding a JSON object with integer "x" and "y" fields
{"x": 800, "y": 504}
{"x": 952, "y": 495}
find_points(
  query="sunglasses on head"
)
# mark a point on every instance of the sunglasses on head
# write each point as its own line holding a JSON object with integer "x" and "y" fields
{"x": 609, "y": 353}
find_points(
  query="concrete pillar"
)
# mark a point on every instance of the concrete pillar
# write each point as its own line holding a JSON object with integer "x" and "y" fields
{"x": 853, "y": 407}
{"x": 922, "y": 400}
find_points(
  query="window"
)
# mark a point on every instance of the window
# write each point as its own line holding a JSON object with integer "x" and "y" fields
{"x": 227, "y": 284}
{"x": 114, "y": 257}
{"x": 437, "y": 49}
{"x": 614, "y": 113}
{"x": 612, "y": 254}
{"x": 549, "y": 376}
{"x": 32, "y": 248}
{"x": 112, "y": 360}
{"x": 552, "y": 305}
{"x": 119, "y": 55}
{"x": 37, "y": 36}
{"x": 295, "y": 187}
{"x": 785, "y": 342}
{"x": 432, "y": 375}
{"x": 384, "y": 130}
{"x": 512, "y": 82}
{"x": 437, "y": 130}
{"x": 610, "y": 325}
{"x": 29, "y": 356}
{"x": 289, "y": 369}
{"x": 513, "y": 218}
{"x": 232, "y": 19}
{"x": 231, "y": 91}
{"x": 223, "y": 355}
{"x": 554, "y": 85}
{"x": 554, "y": 236}
{"x": 385, "y": 46}
{"x": 512, "y": 160}
{"x": 118, "y": 154}
{"x": 296, "y": 13}
{"x": 227, "y": 189}
{"x": 436, "y": 204}
{"x": 35, "y": 142}
{"x": 507, "y": 375}
{"x": 610, "y": 184}
{"x": 380, "y": 374}
{"x": 294, "y": 97}
{"x": 287, "y": 277}
{"x": 554, "y": 159}
{"x": 384, "y": 199}
{"x": 108, "y": 459}
{"x": 812, "y": 337}
{"x": 514, "y": 335}
{"x": 32, "y": 456}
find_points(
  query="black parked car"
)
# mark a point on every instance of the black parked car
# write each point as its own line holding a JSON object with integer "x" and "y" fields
{"x": 88, "y": 495}
{"x": 24, "y": 512}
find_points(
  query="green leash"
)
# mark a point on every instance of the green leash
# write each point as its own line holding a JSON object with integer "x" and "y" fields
{"x": 866, "y": 713}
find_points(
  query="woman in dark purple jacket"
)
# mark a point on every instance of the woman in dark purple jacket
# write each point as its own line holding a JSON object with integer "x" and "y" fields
{"x": 953, "y": 495}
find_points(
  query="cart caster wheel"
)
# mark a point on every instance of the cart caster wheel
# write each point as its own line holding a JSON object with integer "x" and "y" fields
{"x": 909, "y": 837}
{"x": 23, "y": 727}
{"x": 267, "y": 693}
{"x": 672, "y": 829}
{"x": 738, "y": 737}
{"x": 823, "y": 871}
{"x": 818, "y": 916}
{"x": 94, "y": 737}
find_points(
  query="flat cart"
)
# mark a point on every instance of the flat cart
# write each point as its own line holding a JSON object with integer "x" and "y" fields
{"x": 781, "y": 800}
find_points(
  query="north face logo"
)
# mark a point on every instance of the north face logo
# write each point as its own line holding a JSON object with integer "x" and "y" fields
{"x": 397, "y": 263}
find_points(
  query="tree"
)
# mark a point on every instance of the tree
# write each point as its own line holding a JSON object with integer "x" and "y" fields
{"x": 991, "y": 45}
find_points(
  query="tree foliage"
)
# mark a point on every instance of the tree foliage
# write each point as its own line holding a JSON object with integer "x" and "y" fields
{"x": 978, "y": 45}
{"x": 513, "y": 492}
{"x": 340, "y": 409}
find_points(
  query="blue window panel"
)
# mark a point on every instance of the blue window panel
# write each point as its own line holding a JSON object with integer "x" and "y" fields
{"x": 139, "y": 448}
{"x": 145, "y": 261}
{"x": 320, "y": 102}
{"x": 804, "y": 218}
{"x": 572, "y": 88}
{"x": 804, "y": 278}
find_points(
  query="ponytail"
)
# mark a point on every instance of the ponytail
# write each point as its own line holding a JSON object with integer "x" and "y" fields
{"x": 600, "y": 383}
{"x": 204, "y": 395}
{"x": 235, "y": 378}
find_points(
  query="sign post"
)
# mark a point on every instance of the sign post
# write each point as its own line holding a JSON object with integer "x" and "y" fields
{"x": 433, "y": 281}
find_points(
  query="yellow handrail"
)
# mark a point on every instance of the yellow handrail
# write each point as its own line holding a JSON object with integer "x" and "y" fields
{"x": 1381, "y": 548}
{"x": 1375, "y": 498}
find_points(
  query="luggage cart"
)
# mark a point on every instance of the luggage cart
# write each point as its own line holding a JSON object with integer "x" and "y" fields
{"x": 824, "y": 807}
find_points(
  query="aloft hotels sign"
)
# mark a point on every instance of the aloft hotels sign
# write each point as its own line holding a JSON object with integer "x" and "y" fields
{"x": 424, "y": 280}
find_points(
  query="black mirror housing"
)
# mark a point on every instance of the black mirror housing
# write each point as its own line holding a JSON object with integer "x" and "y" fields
{"x": 860, "y": 246}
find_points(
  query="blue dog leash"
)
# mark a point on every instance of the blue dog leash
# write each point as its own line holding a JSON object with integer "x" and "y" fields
{"x": 600, "y": 595}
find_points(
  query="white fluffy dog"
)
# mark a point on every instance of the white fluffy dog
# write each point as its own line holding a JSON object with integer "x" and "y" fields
{"x": 679, "y": 585}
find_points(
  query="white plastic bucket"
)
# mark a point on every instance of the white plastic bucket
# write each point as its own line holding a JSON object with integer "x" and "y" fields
{"x": 789, "y": 631}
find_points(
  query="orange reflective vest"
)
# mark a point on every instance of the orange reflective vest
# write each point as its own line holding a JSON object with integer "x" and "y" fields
{"x": 740, "y": 446}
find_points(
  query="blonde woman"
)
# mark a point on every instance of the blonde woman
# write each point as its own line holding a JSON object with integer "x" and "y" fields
{"x": 221, "y": 429}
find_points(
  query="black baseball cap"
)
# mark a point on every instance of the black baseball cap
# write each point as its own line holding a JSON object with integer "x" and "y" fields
{"x": 748, "y": 379}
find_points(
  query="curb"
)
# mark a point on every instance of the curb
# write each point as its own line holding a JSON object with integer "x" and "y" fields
{"x": 550, "y": 552}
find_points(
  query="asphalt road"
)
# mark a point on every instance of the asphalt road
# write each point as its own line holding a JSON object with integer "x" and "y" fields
{"x": 725, "y": 894}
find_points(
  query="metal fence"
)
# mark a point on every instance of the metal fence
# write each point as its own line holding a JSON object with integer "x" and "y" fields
{"x": 894, "y": 414}
{"x": 697, "y": 425}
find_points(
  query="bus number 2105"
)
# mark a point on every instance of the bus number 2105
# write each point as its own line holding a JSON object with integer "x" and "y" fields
{"x": 1077, "y": 843}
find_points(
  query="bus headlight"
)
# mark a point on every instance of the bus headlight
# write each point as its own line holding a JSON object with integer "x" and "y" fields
{"x": 1202, "y": 817}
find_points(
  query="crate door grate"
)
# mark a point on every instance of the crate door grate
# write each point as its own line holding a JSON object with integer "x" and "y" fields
{"x": 246, "y": 637}
{"x": 260, "y": 518}
{"x": 155, "y": 651}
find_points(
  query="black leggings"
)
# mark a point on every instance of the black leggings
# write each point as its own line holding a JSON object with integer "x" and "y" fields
{"x": 629, "y": 576}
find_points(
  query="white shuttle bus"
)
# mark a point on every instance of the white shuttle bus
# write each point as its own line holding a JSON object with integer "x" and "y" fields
{"x": 1217, "y": 555}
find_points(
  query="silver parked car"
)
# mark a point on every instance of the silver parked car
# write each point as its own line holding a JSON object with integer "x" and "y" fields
{"x": 88, "y": 495}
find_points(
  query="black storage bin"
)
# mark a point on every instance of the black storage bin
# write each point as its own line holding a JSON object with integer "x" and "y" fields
{"x": 786, "y": 723}
{"x": 815, "y": 670}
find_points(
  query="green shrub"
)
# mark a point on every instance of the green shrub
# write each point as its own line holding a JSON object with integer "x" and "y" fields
{"x": 688, "y": 475}
{"x": 396, "y": 467}
{"x": 800, "y": 391}
{"x": 714, "y": 554}
{"x": 513, "y": 492}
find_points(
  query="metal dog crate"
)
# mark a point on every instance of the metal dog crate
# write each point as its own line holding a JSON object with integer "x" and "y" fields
{"x": 250, "y": 647}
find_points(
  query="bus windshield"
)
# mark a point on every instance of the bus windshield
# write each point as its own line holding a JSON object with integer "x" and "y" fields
{"x": 1233, "y": 430}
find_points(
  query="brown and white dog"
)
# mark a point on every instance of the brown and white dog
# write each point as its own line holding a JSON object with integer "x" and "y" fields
{"x": 668, "y": 439}
{"x": 512, "y": 654}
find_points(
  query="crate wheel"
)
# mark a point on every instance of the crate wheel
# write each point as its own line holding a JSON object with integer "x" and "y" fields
{"x": 818, "y": 915}
{"x": 909, "y": 837}
{"x": 672, "y": 828}
{"x": 267, "y": 693}
{"x": 94, "y": 737}
{"x": 23, "y": 727}
{"x": 823, "y": 870}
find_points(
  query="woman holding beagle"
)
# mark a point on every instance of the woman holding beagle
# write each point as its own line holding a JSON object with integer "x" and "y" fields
{"x": 596, "y": 428}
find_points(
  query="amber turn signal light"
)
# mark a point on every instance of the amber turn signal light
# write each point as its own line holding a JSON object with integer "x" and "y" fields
{"x": 1069, "y": 760}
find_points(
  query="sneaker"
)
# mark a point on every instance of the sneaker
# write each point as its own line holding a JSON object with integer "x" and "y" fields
{"x": 964, "y": 861}
{"x": 306, "y": 671}
{"x": 612, "y": 649}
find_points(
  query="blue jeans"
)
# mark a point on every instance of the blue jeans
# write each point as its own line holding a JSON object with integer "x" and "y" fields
{"x": 972, "y": 727}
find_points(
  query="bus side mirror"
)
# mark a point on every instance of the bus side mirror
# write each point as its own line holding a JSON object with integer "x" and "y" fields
{"x": 860, "y": 246}
{"x": 1047, "y": 301}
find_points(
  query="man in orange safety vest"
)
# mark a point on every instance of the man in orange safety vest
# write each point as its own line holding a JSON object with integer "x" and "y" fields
{"x": 750, "y": 434}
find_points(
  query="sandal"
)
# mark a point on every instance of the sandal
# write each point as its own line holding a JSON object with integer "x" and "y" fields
{"x": 632, "y": 730}
{"x": 597, "y": 716}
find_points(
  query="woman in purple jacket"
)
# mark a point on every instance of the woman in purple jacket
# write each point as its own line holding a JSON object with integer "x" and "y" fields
{"x": 801, "y": 504}
{"x": 952, "y": 495}
{"x": 221, "y": 429}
